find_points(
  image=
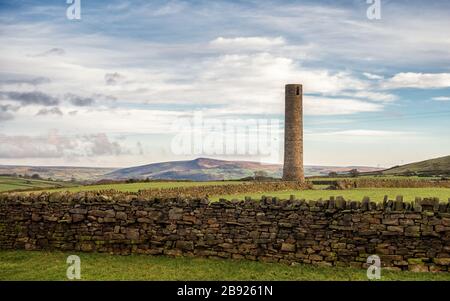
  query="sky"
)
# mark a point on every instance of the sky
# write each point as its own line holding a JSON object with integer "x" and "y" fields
{"x": 137, "y": 82}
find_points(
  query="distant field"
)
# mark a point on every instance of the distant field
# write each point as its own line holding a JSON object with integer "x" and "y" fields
{"x": 375, "y": 194}
{"x": 42, "y": 265}
{"x": 14, "y": 183}
{"x": 134, "y": 187}
{"x": 384, "y": 177}
{"x": 62, "y": 173}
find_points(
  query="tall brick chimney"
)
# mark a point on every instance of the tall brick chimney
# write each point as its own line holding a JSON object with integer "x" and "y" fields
{"x": 293, "y": 133}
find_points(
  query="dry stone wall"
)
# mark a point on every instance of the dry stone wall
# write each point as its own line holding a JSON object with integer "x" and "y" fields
{"x": 391, "y": 183}
{"x": 199, "y": 190}
{"x": 407, "y": 236}
{"x": 224, "y": 189}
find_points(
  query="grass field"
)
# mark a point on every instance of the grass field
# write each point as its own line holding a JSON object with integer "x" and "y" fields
{"x": 375, "y": 194}
{"x": 133, "y": 187}
{"x": 384, "y": 177}
{"x": 15, "y": 183}
{"x": 40, "y": 265}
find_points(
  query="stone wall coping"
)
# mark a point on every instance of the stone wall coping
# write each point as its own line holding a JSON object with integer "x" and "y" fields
{"x": 333, "y": 203}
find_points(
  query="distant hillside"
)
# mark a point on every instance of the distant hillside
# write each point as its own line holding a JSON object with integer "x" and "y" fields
{"x": 433, "y": 167}
{"x": 203, "y": 169}
{"x": 200, "y": 169}
{"x": 62, "y": 173}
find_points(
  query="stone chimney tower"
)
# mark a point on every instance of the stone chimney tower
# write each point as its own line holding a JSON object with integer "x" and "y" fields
{"x": 293, "y": 133}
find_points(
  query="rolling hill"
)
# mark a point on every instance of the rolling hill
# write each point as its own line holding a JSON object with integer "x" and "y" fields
{"x": 61, "y": 173}
{"x": 433, "y": 167}
{"x": 204, "y": 169}
{"x": 201, "y": 169}
{"x": 15, "y": 183}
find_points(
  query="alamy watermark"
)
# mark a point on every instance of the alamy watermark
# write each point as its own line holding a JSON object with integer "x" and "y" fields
{"x": 73, "y": 271}
{"x": 230, "y": 137}
{"x": 73, "y": 11}
{"x": 374, "y": 10}
{"x": 374, "y": 270}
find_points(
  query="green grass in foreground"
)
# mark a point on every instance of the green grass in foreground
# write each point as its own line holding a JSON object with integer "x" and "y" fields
{"x": 375, "y": 194}
{"x": 40, "y": 265}
{"x": 133, "y": 187}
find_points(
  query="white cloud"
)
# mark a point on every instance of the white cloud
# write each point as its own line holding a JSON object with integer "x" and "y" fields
{"x": 337, "y": 106}
{"x": 55, "y": 145}
{"x": 246, "y": 83}
{"x": 409, "y": 35}
{"x": 90, "y": 121}
{"x": 172, "y": 7}
{"x": 256, "y": 79}
{"x": 372, "y": 76}
{"x": 418, "y": 80}
{"x": 371, "y": 95}
{"x": 442, "y": 98}
{"x": 253, "y": 43}
{"x": 364, "y": 133}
